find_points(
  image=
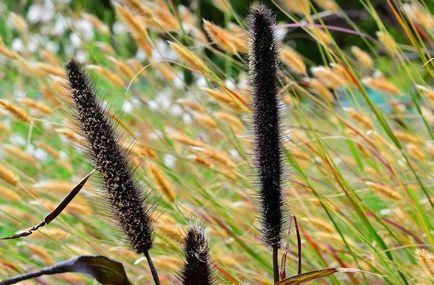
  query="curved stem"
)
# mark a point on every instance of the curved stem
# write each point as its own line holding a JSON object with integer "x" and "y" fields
{"x": 298, "y": 245}
{"x": 152, "y": 268}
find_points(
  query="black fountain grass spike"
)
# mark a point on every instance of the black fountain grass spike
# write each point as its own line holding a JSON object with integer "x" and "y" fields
{"x": 197, "y": 268}
{"x": 263, "y": 58}
{"x": 129, "y": 204}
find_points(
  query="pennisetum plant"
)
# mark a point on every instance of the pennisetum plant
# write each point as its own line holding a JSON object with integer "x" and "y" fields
{"x": 263, "y": 54}
{"x": 197, "y": 269}
{"x": 129, "y": 204}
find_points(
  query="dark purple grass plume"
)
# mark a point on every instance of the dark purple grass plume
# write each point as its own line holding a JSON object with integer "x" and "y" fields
{"x": 197, "y": 268}
{"x": 263, "y": 76}
{"x": 127, "y": 200}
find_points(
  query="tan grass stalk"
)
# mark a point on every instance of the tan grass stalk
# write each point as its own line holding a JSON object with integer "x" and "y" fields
{"x": 8, "y": 176}
{"x": 104, "y": 47}
{"x": 381, "y": 84}
{"x": 139, "y": 32}
{"x": 234, "y": 122}
{"x": 317, "y": 87}
{"x": 140, "y": 150}
{"x": 51, "y": 69}
{"x": 50, "y": 150}
{"x": 162, "y": 182}
{"x": 49, "y": 95}
{"x": 224, "y": 5}
{"x": 222, "y": 97}
{"x": 107, "y": 74}
{"x": 54, "y": 186}
{"x": 320, "y": 35}
{"x": 71, "y": 136}
{"x": 360, "y": 118}
{"x": 41, "y": 107}
{"x": 202, "y": 161}
{"x": 18, "y": 22}
{"x": 48, "y": 57}
{"x": 58, "y": 87}
{"x": 328, "y": 77}
{"x": 3, "y": 128}
{"x": 342, "y": 73}
{"x": 18, "y": 154}
{"x": 293, "y": 60}
{"x": 206, "y": 121}
{"x": 320, "y": 224}
{"x": 168, "y": 263}
{"x": 328, "y": 5}
{"x": 219, "y": 157}
{"x": 16, "y": 111}
{"x": 65, "y": 164}
{"x": 384, "y": 191}
{"x": 409, "y": 138}
{"x": 51, "y": 234}
{"x": 123, "y": 68}
{"x": 97, "y": 23}
{"x": 220, "y": 37}
{"x": 415, "y": 152}
{"x": 191, "y": 105}
{"x": 9, "y": 194}
{"x": 427, "y": 92}
{"x": 139, "y": 7}
{"x": 419, "y": 14}
{"x": 362, "y": 57}
{"x": 6, "y": 52}
{"x": 192, "y": 60}
{"x": 425, "y": 259}
{"x": 297, "y": 6}
{"x": 165, "y": 70}
{"x": 165, "y": 19}
{"x": 171, "y": 232}
{"x": 183, "y": 139}
{"x": 42, "y": 253}
{"x": 80, "y": 207}
{"x": 387, "y": 41}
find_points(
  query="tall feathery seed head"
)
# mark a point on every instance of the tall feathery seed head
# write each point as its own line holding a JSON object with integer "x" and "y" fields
{"x": 197, "y": 269}
{"x": 263, "y": 58}
{"x": 128, "y": 206}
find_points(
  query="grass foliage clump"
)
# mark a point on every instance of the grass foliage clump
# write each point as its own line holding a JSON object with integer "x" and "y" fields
{"x": 321, "y": 107}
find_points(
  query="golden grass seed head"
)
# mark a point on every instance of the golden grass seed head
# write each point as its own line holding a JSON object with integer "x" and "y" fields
{"x": 387, "y": 41}
{"x": 293, "y": 60}
{"x": 9, "y": 194}
{"x": 40, "y": 107}
{"x": 301, "y": 7}
{"x": 8, "y": 176}
{"x": 425, "y": 259}
{"x": 384, "y": 191}
{"x": 162, "y": 182}
{"x": 382, "y": 84}
{"x": 328, "y": 5}
{"x": 19, "y": 154}
{"x": 362, "y": 57}
{"x": 18, "y": 112}
{"x": 328, "y": 77}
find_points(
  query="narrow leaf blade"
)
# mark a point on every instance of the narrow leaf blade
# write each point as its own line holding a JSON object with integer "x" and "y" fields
{"x": 103, "y": 269}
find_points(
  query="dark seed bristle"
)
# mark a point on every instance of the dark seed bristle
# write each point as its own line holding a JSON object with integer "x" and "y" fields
{"x": 263, "y": 76}
{"x": 127, "y": 204}
{"x": 197, "y": 269}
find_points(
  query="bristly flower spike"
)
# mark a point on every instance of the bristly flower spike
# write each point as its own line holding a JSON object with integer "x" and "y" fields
{"x": 263, "y": 58}
{"x": 128, "y": 205}
{"x": 197, "y": 269}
